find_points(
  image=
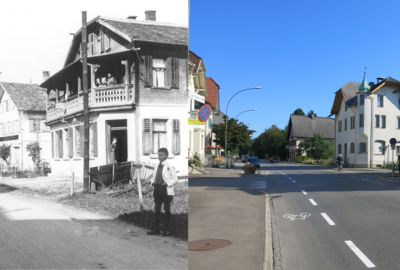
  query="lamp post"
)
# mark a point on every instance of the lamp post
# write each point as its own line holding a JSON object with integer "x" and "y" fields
{"x": 226, "y": 119}
{"x": 244, "y": 112}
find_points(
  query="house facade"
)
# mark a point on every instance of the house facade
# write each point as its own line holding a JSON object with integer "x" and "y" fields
{"x": 302, "y": 127}
{"x": 367, "y": 116}
{"x": 137, "y": 84}
{"x": 22, "y": 118}
{"x": 198, "y": 90}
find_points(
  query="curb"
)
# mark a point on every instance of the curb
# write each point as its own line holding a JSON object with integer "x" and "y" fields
{"x": 268, "y": 257}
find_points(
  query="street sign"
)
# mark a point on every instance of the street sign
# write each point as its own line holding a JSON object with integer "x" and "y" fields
{"x": 393, "y": 141}
{"x": 193, "y": 115}
{"x": 197, "y": 97}
{"x": 204, "y": 113}
{"x": 393, "y": 147}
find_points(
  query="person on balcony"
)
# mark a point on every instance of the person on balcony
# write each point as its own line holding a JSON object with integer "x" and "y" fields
{"x": 98, "y": 83}
{"x": 103, "y": 81}
{"x": 110, "y": 79}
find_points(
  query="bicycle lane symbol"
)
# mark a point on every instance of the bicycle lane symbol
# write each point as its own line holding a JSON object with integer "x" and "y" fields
{"x": 302, "y": 216}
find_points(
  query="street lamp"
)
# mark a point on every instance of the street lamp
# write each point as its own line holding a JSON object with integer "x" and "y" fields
{"x": 244, "y": 112}
{"x": 226, "y": 118}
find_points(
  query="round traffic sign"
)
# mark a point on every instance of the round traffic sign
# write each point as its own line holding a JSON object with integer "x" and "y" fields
{"x": 393, "y": 141}
{"x": 204, "y": 113}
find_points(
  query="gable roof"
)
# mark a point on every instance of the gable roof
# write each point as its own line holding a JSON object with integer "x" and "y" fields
{"x": 26, "y": 97}
{"x": 389, "y": 80}
{"x": 305, "y": 127}
{"x": 213, "y": 93}
{"x": 135, "y": 30}
{"x": 196, "y": 60}
{"x": 346, "y": 92}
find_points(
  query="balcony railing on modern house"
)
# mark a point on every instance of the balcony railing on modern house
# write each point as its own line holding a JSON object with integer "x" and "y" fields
{"x": 101, "y": 97}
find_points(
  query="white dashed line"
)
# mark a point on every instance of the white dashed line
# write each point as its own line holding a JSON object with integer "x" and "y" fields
{"x": 293, "y": 181}
{"x": 305, "y": 193}
{"x": 330, "y": 222}
{"x": 313, "y": 202}
{"x": 360, "y": 255}
{"x": 290, "y": 178}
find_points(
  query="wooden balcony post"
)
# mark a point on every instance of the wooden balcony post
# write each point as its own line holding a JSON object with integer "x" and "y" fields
{"x": 126, "y": 78}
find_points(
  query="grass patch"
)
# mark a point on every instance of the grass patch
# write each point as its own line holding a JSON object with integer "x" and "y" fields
{"x": 126, "y": 207}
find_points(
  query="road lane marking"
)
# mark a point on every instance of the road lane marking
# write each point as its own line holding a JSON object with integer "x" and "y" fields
{"x": 292, "y": 217}
{"x": 330, "y": 222}
{"x": 313, "y": 202}
{"x": 294, "y": 181}
{"x": 360, "y": 255}
{"x": 290, "y": 178}
{"x": 305, "y": 193}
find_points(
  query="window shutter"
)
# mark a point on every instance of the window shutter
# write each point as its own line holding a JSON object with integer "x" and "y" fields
{"x": 95, "y": 139}
{"x": 175, "y": 72}
{"x": 70, "y": 142}
{"x": 81, "y": 139}
{"x": 168, "y": 73}
{"x": 31, "y": 125}
{"x": 52, "y": 144}
{"x": 148, "y": 69}
{"x": 60, "y": 144}
{"x": 146, "y": 136}
{"x": 176, "y": 140}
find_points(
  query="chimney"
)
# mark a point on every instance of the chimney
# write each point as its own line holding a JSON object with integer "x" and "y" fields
{"x": 371, "y": 84}
{"x": 46, "y": 75}
{"x": 150, "y": 15}
{"x": 132, "y": 17}
{"x": 379, "y": 79}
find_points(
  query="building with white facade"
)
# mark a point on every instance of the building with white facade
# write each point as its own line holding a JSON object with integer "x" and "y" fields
{"x": 137, "y": 84}
{"x": 22, "y": 118}
{"x": 367, "y": 116}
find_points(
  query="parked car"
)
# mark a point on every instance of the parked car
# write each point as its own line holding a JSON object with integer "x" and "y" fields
{"x": 275, "y": 159}
{"x": 254, "y": 161}
{"x": 244, "y": 158}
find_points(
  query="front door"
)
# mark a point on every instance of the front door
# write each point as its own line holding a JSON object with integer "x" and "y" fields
{"x": 117, "y": 129}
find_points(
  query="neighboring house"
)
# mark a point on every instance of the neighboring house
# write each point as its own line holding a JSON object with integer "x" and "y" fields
{"x": 137, "y": 81}
{"x": 22, "y": 117}
{"x": 212, "y": 98}
{"x": 302, "y": 127}
{"x": 367, "y": 116}
{"x": 198, "y": 89}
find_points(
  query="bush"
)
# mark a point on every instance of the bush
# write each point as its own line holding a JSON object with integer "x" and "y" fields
{"x": 249, "y": 168}
{"x": 197, "y": 161}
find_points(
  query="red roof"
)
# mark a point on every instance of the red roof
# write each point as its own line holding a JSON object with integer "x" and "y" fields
{"x": 213, "y": 93}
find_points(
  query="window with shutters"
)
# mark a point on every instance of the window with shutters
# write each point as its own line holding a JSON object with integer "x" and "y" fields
{"x": 77, "y": 141}
{"x": 158, "y": 73}
{"x": 147, "y": 136}
{"x": 159, "y": 134}
{"x": 176, "y": 143}
{"x": 175, "y": 72}
{"x": 148, "y": 67}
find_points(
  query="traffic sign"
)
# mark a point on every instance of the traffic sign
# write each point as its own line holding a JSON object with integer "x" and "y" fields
{"x": 393, "y": 141}
{"x": 204, "y": 113}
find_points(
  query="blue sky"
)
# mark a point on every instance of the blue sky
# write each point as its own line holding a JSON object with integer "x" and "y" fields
{"x": 299, "y": 52}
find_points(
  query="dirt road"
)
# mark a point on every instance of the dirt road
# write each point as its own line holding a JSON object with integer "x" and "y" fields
{"x": 38, "y": 234}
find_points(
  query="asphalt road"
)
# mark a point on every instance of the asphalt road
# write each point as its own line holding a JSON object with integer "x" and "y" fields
{"x": 39, "y": 234}
{"x": 230, "y": 206}
{"x": 323, "y": 219}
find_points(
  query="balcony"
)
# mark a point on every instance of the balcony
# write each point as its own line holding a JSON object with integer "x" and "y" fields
{"x": 113, "y": 96}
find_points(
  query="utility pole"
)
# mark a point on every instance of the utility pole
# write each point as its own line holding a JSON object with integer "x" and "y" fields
{"x": 85, "y": 105}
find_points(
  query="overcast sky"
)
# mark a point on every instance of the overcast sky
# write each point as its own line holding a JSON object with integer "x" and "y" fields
{"x": 35, "y": 35}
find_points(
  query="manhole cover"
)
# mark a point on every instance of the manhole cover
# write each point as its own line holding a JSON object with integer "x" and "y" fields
{"x": 208, "y": 244}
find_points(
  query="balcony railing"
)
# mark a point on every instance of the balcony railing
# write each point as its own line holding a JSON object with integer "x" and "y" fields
{"x": 100, "y": 97}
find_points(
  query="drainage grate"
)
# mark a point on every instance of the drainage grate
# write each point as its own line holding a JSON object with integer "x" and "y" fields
{"x": 208, "y": 244}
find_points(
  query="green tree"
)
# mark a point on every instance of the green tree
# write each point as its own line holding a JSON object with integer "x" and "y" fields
{"x": 239, "y": 135}
{"x": 298, "y": 112}
{"x": 318, "y": 147}
{"x": 310, "y": 113}
{"x": 33, "y": 150}
{"x": 272, "y": 142}
{"x": 5, "y": 152}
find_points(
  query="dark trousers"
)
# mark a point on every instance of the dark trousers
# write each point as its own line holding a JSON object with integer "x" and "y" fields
{"x": 161, "y": 196}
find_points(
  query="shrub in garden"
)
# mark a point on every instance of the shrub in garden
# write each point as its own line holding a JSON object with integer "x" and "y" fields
{"x": 197, "y": 161}
{"x": 219, "y": 161}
